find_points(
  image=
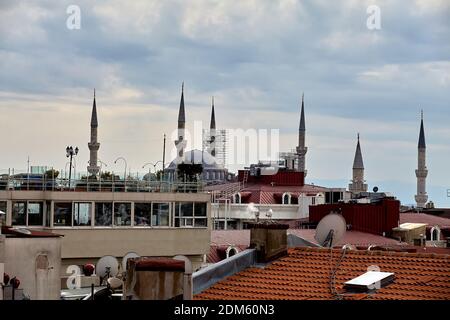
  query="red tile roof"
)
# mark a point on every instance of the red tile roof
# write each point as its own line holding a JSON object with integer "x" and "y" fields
{"x": 305, "y": 274}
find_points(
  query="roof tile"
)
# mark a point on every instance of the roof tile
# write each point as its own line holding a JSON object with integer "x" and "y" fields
{"x": 305, "y": 274}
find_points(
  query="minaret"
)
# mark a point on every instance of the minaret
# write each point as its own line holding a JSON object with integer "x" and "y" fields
{"x": 93, "y": 168}
{"x": 421, "y": 172}
{"x": 358, "y": 184}
{"x": 181, "y": 143}
{"x": 301, "y": 148}
{"x": 212, "y": 132}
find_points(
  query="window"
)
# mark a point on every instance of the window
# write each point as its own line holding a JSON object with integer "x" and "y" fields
{"x": 28, "y": 214}
{"x": 35, "y": 214}
{"x": 188, "y": 214}
{"x": 237, "y": 198}
{"x": 48, "y": 211}
{"x": 82, "y": 213}
{"x": 200, "y": 214}
{"x": 286, "y": 198}
{"x": 103, "y": 213}
{"x": 160, "y": 214}
{"x": 19, "y": 214}
{"x": 122, "y": 214}
{"x": 62, "y": 214}
{"x": 435, "y": 233}
{"x": 3, "y": 216}
{"x": 313, "y": 201}
{"x": 142, "y": 214}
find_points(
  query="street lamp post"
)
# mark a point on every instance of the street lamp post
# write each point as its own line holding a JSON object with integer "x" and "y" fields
{"x": 65, "y": 169}
{"x": 71, "y": 152}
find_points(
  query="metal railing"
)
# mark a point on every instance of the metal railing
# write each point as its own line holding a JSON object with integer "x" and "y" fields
{"x": 33, "y": 182}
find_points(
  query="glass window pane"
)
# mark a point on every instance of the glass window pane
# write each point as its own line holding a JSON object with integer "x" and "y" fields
{"x": 103, "y": 213}
{"x": 122, "y": 214}
{"x": 186, "y": 209}
{"x": 142, "y": 213}
{"x": 160, "y": 216}
{"x": 200, "y": 209}
{"x": 188, "y": 222}
{"x": 200, "y": 222}
{"x": 35, "y": 214}
{"x": 3, "y": 216}
{"x": 177, "y": 209}
{"x": 63, "y": 214}
{"x": 82, "y": 214}
{"x": 19, "y": 217}
{"x": 47, "y": 213}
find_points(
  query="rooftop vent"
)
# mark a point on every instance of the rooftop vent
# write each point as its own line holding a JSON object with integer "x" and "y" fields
{"x": 369, "y": 281}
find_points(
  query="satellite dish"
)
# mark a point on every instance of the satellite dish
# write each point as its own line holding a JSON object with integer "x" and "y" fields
{"x": 375, "y": 189}
{"x": 22, "y": 230}
{"x": 114, "y": 283}
{"x": 330, "y": 230}
{"x": 126, "y": 257}
{"x": 107, "y": 266}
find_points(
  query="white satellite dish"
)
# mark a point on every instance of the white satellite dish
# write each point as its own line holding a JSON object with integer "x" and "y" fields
{"x": 107, "y": 267}
{"x": 114, "y": 283}
{"x": 22, "y": 230}
{"x": 330, "y": 230}
{"x": 126, "y": 257}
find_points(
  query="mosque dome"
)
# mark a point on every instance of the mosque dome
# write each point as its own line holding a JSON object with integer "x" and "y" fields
{"x": 198, "y": 157}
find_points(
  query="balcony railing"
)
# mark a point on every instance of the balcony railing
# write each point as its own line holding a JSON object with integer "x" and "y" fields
{"x": 33, "y": 182}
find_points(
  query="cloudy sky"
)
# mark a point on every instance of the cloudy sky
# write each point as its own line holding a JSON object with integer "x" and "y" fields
{"x": 256, "y": 57}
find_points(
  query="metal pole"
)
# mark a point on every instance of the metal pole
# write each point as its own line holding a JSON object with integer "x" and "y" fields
{"x": 164, "y": 156}
{"x": 70, "y": 169}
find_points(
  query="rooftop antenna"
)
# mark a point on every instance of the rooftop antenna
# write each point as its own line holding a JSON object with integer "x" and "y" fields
{"x": 330, "y": 230}
{"x": 107, "y": 267}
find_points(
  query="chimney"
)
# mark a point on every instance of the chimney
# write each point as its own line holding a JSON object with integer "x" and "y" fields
{"x": 269, "y": 240}
{"x": 150, "y": 278}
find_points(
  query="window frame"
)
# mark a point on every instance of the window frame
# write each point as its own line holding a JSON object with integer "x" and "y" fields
{"x": 288, "y": 194}
{"x": 26, "y": 207}
{"x": 114, "y": 214}
{"x": 95, "y": 214}
{"x": 150, "y": 218}
{"x": 91, "y": 218}
{"x": 169, "y": 214}
{"x": 192, "y": 218}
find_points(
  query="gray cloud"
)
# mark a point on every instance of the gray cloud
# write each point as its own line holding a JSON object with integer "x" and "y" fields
{"x": 256, "y": 57}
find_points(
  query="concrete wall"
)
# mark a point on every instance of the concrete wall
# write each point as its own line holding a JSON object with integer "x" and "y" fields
{"x": 280, "y": 211}
{"x": 102, "y": 196}
{"x": 36, "y": 263}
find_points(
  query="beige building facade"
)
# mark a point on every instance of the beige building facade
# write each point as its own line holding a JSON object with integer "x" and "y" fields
{"x": 94, "y": 224}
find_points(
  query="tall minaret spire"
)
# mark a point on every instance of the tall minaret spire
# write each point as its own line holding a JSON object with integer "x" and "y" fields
{"x": 301, "y": 148}
{"x": 421, "y": 172}
{"x": 358, "y": 184}
{"x": 180, "y": 143}
{"x": 212, "y": 132}
{"x": 93, "y": 168}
